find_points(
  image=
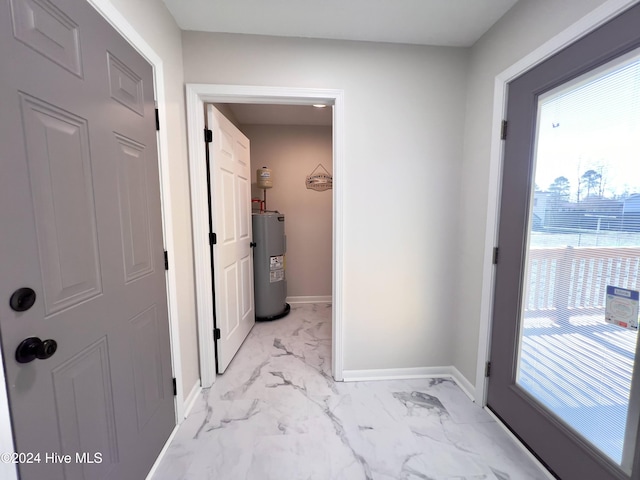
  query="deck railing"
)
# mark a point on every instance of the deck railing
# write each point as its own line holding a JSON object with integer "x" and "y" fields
{"x": 570, "y": 281}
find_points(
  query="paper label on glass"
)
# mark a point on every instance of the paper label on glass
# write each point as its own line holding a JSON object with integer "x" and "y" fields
{"x": 622, "y": 307}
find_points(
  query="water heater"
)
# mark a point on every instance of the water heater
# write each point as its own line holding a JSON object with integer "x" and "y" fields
{"x": 270, "y": 283}
{"x": 264, "y": 179}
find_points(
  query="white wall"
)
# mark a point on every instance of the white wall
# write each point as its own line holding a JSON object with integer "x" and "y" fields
{"x": 292, "y": 153}
{"x": 156, "y": 26}
{"x": 403, "y": 121}
{"x": 409, "y": 189}
{"x": 528, "y": 25}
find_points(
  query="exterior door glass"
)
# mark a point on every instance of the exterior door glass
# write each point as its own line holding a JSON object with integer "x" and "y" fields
{"x": 579, "y": 308}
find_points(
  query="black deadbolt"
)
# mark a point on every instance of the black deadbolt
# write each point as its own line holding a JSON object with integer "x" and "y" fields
{"x": 32, "y": 348}
{"x": 22, "y": 299}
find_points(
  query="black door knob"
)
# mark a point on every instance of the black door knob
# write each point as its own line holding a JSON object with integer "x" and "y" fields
{"x": 32, "y": 348}
{"x": 22, "y": 299}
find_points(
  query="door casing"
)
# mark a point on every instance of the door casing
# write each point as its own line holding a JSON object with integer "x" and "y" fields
{"x": 197, "y": 96}
{"x": 588, "y": 23}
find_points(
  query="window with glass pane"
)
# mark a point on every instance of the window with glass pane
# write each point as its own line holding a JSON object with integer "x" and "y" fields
{"x": 584, "y": 236}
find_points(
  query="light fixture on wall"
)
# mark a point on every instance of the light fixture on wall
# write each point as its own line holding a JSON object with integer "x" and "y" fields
{"x": 319, "y": 105}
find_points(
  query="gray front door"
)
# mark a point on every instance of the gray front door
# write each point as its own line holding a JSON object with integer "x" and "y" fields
{"x": 81, "y": 226}
{"x": 564, "y": 375}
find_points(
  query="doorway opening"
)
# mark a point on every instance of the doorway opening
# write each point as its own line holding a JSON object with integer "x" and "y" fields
{"x": 197, "y": 97}
{"x": 294, "y": 209}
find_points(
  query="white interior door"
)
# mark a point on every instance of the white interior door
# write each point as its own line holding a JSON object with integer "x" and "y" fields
{"x": 230, "y": 181}
{"x": 82, "y": 230}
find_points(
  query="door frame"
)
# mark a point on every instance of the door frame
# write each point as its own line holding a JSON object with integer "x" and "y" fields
{"x": 196, "y": 97}
{"x": 106, "y": 9}
{"x": 579, "y": 29}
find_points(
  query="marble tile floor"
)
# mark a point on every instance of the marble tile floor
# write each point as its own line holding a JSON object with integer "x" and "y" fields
{"x": 276, "y": 413}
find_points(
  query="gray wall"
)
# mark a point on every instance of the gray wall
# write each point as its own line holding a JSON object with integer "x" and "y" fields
{"x": 404, "y": 111}
{"x": 528, "y": 25}
{"x": 292, "y": 152}
{"x": 415, "y": 201}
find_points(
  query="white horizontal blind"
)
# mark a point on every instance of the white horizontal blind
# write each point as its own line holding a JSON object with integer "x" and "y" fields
{"x": 584, "y": 236}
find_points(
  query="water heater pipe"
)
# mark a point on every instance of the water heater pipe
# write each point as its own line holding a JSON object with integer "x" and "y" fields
{"x": 261, "y": 204}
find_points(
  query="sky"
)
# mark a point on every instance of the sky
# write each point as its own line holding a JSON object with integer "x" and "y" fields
{"x": 593, "y": 123}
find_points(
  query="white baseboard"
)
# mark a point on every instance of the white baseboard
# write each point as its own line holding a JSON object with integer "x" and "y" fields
{"x": 465, "y": 385}
{"x": 409, "y": 373}
{"x": 310, "y": 299}
{"x": 190, "y": 401}
{"x": 394, "y": 373}
{"x": 156, "y": 464}
{"x": 520, "y": 445}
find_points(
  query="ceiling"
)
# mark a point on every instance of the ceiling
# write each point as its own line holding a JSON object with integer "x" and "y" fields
{"x": 252, "y": 114}
{"x": 457, "y": 23}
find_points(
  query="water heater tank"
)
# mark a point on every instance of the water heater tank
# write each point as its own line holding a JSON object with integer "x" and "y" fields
{"x": 270, "y": 283}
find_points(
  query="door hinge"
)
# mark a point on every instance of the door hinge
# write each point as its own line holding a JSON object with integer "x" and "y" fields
{"x": 208, "y": 135}
{"x": 166, "y": 260}
{"x": 175, "y": 387}
{"x": 157, "y": 120}
{"x": 213, "y": 239}
{"x": 503, "y": 130}
{"x": 216, "y": 334}
{"x": 495, "y": 255}
{"x": 487, "y": 369}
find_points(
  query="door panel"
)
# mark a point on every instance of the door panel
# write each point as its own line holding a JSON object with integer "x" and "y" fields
{"x": 246, "y": 297}
{"x": 231, "y": 317}
{"x": 244, "y": 191}
{"x": 228, "y": 190}
{"x": 80, "y": 206}
{"x": 559, "y": 373}
{"x": 124, "y": 85}
{"x": 231, "y": 221}
{"x": 49, "y": 31}
{"x": 134, "y": 212}
{"x": 62, "y": 191}
{"x": 86, "y": 416}
{"x": 146, "y": 351}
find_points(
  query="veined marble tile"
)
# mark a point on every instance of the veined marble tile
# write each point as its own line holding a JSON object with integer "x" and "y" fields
{"x": 288, "y": 456}
{"x": 276, "y": 413}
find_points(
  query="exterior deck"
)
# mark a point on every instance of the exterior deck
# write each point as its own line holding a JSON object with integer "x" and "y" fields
{"x": 572, "y": 361}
